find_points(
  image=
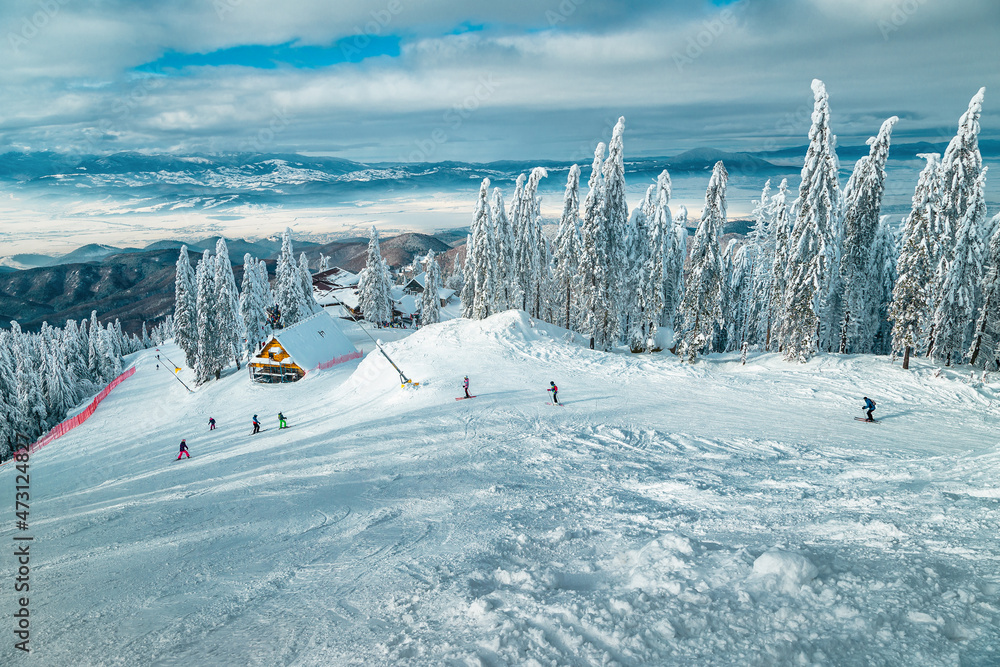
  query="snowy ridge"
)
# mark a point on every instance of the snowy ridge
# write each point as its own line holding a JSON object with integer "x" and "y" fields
{"x": 670, "y": 514}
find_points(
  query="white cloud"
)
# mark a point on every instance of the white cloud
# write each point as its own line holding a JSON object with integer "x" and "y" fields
{"x": 708, "y": 77}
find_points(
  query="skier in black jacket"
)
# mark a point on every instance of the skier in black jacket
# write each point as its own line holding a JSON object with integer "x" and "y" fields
{"x": 184, "y": 451}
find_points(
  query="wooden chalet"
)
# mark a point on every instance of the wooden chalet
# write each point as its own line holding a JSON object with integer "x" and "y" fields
{"x": 315, "y": 343}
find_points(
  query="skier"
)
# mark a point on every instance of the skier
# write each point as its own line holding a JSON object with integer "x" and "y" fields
{"x": 256, "y": 425}
{"x": 555, "y": 390}
{"x": 281, "y": 421}
{"x": 869, "y": 406}
{"x": 211, "y": 423}
{"x": 184, "y": 451}
{"x": 465, "y": 386}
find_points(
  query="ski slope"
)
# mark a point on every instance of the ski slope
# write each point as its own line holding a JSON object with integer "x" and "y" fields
{"x": 667, "y": 514}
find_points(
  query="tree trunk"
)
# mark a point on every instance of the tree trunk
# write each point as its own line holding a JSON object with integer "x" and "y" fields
{"x": 906, "y": 358}
{"x": 567, "y": 304}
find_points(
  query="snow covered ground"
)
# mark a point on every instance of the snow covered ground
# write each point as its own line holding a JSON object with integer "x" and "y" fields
{"x": 666, "y": 514}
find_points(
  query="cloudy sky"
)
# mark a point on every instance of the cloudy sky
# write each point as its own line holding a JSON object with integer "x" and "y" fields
{"x": 479, "y": 81}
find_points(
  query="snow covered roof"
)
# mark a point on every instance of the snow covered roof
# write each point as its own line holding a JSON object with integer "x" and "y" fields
{"x": 345, "y": 295}
{"x": 444, "y": 293}
{"x": 406, "y": 304}
{"x": 333, "y": 278}
{"x": 396, "y": 292}
{"x": 316, "y": 340}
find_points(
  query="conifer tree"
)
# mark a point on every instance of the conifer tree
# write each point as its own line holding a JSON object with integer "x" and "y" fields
{"x": 632, "y": 299}
{"x": 375, "y": 284}
{"x": 457, "y": 278}
{"x": 958, "y": 307}
{"x": 565, "y": 257}
{"x": 600, "y": 321}
{"x": 511, "y": 274}
{"x": 862, "y": 212}
{"x": 616, "y": 219}
{"x": 288, "y": 283}
{"x": 232, "y": 330}
{"x": 985, "y": 349}
{"x": 911, "y": 297}
{"x": 534, "y": 254}
{"x": 468, "y": 293}
{"x": 779, "y": 267}
{"x": 430, "y": 302}
{"x": 658, "y": 283}
{"x": 309, "y": 304}
{"x": 185, "y": 308}
{"x": 673, "y": 280}
{"x": 884, "y": 256}
{"x": 502, "y": 250}
{"x": 253, "y": 306}
{"x": 957, "y": 175}
{"x": 212, "y": 354}
{"x": 483, "y": 257}
{"x": 701, "y": 308}
{"x": 811, "y": 316}
{"x": 29, "y": 403}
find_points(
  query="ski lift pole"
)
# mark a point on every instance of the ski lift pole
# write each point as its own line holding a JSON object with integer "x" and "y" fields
{"x": 402, "y": 378}
{"x": 175, "y": 373}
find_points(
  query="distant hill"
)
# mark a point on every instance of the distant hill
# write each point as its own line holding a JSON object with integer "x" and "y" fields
{"x": 93, "y": 252}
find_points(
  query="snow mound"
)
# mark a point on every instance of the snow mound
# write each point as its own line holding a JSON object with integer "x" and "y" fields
{"x": 784, "y": 571}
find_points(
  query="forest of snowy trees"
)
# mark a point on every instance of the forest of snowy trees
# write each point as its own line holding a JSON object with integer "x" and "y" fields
{"x": 215, "y": 324}
{"x": 823, "y": 271}
{"x": 44, "y": 375}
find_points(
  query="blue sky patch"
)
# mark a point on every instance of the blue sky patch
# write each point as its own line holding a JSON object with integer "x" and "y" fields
{"x": 351, "y": 49}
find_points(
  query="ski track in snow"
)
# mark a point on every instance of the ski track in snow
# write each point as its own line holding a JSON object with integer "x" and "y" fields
{"x": 630, "y": 527}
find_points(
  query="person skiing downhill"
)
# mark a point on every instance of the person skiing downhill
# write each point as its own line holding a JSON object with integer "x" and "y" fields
{"x": 555, "y": 390}
{"x": 256, "y": 425}
{"x": 465, "y": 386}
{"x": 211, "y": 423}
{"x": 281, "y": 421}
{"x": 184, "y": 451}
{"x": 869, "y": 407}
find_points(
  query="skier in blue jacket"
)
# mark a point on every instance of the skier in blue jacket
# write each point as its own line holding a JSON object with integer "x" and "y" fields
{"x": 869, "y": 407}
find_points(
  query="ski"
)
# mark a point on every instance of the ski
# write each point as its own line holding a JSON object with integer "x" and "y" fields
{"x": 862, "y": 419}
{"x": 462, "y": 398}
{"x": 559, "y": 404}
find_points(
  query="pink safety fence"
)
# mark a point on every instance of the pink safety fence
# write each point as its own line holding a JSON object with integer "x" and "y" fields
{"x": 337, "y": 360}
{"x": 64, "y": 427}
